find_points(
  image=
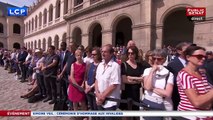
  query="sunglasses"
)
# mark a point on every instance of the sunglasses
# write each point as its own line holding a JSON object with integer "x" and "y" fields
{"x": 94, "y": 54}
{"x": 199, "y": 57}
{"x": 158, "y": 59}
{"x": 131, "y": 53}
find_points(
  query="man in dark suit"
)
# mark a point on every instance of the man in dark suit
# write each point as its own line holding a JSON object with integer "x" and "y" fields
{"x": 209, "y": 66}
{"x": 174, "y": 66}
{"x": 65, "y": 72}
{"x": 64, "y": 55}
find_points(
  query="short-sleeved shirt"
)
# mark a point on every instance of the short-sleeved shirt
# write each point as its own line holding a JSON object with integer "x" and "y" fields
{"x": 107, "y": 76}
{"x": 48, "y": 60}
{"x": 188, "y": 81}
{"x": 159, "y": 80}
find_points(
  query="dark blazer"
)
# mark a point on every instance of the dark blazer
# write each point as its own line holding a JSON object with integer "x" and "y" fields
{"x": 175, "y": 66}
{"x": 63, "y": 61}
{"x": 70, "y": 61}
{"x": 209, "y": 71}
{"x": 22, "y": 56}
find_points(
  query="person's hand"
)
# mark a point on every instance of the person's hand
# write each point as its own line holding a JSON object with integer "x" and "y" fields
{"x": 43, "y": 68}
{"x": 88, "y": 88}
{"x": 155, "y": 68}
{"x": 59, "y": 76}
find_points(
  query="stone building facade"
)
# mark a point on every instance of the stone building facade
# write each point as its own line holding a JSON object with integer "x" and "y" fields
{"x": 150, "y": 23}
{"x": 11, "y": 28}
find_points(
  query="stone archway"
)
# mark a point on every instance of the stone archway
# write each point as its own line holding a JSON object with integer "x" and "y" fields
{"x": 44, "y": 44}
{"x": 77, "y": 36}
{"x": 16, "y": 45}
{"x": 122, "y": 31}
{"x": 177, "y": 28}
{"x": 49, "y": 42}
{"x": 1, "y": 45}
{"x": 56, "y": 42}
{"x": 95, "y": 36}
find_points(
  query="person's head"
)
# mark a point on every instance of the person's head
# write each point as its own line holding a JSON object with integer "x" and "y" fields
{"x": 148, "y": 55}
{"x": 159, "y": 56}
{"x": 181, "y": 47}
{"x": 72, "y": 47}
{"x": 209, "y": 55}
{"x": 51, "y": 49}
{"x": 88, "y": 51}
{"x": 63, "y": 46}
{"x": 132, "y": 53}
{"x": 38, "y": 52}
{"x": 195, "y": 55}
{"x": 81, "y": 47}
{"x": 96, "y": 54}
{"x": 107, "y": 52}
{"x": 78, "y": 55}
{"x": 131, "y": 43}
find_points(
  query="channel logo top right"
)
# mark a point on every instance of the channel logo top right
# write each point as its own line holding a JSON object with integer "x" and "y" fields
{"x": 196, "y": 13}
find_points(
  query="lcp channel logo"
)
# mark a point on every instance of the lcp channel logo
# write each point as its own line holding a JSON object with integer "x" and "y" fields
{"x": 16, "y": 11}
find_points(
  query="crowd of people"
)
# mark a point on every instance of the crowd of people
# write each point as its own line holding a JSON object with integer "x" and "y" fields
{"x": 171, "y": 78}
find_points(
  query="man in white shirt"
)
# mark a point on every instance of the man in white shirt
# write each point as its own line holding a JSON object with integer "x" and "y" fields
{"x": 108, "y": 81}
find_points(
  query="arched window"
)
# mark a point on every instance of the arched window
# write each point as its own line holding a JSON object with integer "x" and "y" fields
{"x": 27, "y": 27}
{"x": 77, "y": 2}
{"x": 40, "y": 19}
{"x": 51, "y": 13}
{"x": 65, "y": 6}
{"x": 16, "y": 28}
{"x": 1, "y": 28}
{"x": 58, "y": 8}
{"x": 32, "y": 23}
{"x": 36, "y": 19}
{"x": 45, "y": 16}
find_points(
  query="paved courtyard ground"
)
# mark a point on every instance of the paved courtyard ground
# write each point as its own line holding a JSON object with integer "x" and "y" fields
{"x": 10, "y": 92}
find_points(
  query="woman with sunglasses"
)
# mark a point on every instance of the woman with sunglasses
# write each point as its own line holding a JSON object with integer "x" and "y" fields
{"x": 158, "y": 84}
{"x": 195, "y": 92}
{"x": 131, "y": 72}
{"x": 90, "y": 78}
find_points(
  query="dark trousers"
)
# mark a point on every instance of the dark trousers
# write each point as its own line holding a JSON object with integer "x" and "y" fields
{"x": 107, "y": 109}
{"x": 50, "y": 84}
{"x": 63, "y": 87}
{"x": 41, "y": 85}
{"x": 92, "y": 102}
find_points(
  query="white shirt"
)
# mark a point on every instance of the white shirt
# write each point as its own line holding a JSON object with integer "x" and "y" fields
{"x": 158, "y": 80}
{"x": 107, "y": 76}
{"x": 183, "y": 61}
{"x": 40, "y": 61}
{"x": 88, "y": 60}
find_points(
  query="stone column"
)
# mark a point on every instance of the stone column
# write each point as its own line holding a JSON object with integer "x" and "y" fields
{"x": 107, "y": 37}
{"x": 159, "y": 35}
{"x": 85, "y": 40}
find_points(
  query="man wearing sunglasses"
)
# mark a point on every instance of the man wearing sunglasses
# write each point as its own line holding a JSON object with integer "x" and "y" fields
{"x": 175, "y": 65}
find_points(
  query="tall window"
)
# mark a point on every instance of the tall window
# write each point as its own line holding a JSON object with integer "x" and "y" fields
{"x": 77, "y": 2}
{"x": 58, "y": 8}
{"x": 1, "y": 28}
{"x": 40, "y": 19}
{"x": 36, "y": 19}
{"x": 27, "y": 27}
{"x": 45, "y": 16}
{"x": 51, "y": 13}
{"x": 16, "y": 28}
{"x": 32, "y": 23}
{"x": 65, "y": 6}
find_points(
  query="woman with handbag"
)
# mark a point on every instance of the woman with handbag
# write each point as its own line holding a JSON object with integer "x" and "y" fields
{"x": 158, "y": 84}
